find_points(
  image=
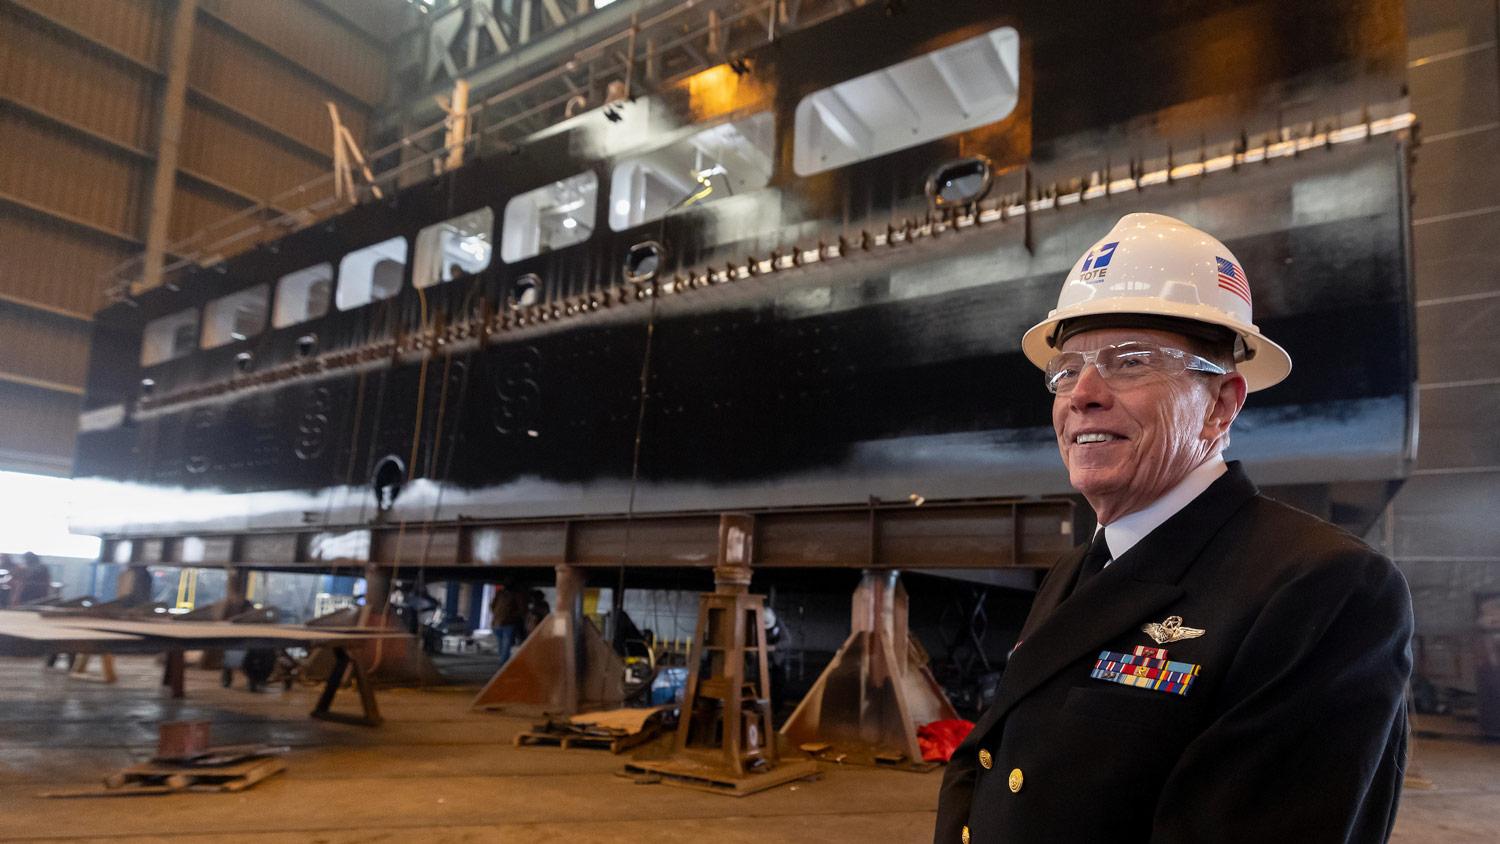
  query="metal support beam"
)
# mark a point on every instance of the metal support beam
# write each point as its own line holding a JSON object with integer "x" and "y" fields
{"x": 40, "y": 383}
{"x": 315, "y": 154}
{"x": 67, "y": 126}
{"x": 169, "y": 138}
{"x": 332, "y": 88}
{"x": 229, "y": 191}
{"x": 75, "y": 222}
{"x": 984, "y": 536}
{"x": 42, "y": 307}
{"x": 236, "y": 592}
{"x": 348, "y": 23}
{"x": 37, "y": 16}
{"x": 197, "y": 95}
{"x": 131, "y": 151}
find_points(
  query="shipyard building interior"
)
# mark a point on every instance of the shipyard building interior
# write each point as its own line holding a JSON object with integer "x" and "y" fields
{"x": 749, "y": 420}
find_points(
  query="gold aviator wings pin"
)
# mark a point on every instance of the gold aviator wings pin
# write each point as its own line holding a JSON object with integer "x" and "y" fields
{"x": 1170, "y": 631}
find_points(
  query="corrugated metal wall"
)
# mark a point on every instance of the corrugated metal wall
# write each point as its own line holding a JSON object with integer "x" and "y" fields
{"x": 1442, "y": 525}
{"x": 81, "y": 84}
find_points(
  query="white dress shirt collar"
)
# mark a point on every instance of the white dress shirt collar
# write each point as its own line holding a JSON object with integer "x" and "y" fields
{"x": 1123, "y": 533}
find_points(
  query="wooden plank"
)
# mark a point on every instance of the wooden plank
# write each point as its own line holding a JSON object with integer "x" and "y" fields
{"x": 38, "y": 628}
{"x": 213, "y": 630}
{"x": 23, "y": 633}
{"x": 269, "y": 768}
{"x": 566, "y": 741}
{"x": 238, "y": 768}
{"x": 133, "y": 791}
{"x": 624, "y": 720}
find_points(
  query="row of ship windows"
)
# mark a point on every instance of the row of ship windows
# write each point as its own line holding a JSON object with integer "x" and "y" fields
{"x": 954, "y": 89}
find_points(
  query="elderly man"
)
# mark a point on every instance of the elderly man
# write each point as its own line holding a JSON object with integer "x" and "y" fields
{"x": 1213, "y": 666}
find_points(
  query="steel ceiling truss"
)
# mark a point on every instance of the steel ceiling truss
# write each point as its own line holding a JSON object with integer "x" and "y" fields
{"x": 640, "y": 45}
{"x": 643, "y": 43}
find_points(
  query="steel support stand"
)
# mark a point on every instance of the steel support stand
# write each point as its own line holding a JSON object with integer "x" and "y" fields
{"x": 343, "y": 663}
{"x": 867, "y": 704}
{"x": 564, "y": 666}
{"x": 174, "y": 673}
{"x": 389, "y": 661}
{"x": 725, "y": 740}
{"x": 236, "y": 587}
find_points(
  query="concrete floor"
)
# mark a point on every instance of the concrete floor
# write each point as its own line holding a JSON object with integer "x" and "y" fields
{"x": 438, "y": 772}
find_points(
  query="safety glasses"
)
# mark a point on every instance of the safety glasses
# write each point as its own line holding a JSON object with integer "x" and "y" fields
{"x": 1123, "y": 364}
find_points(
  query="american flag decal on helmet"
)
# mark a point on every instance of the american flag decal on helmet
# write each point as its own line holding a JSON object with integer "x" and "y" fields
{"x": 1232, "y": 278}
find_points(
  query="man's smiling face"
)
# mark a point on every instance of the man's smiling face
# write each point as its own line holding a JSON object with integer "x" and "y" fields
{"x": 1126, "y": 447}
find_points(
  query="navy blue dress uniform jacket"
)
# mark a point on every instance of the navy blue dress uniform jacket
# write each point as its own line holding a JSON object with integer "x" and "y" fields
{"x": 1294, "y": 729}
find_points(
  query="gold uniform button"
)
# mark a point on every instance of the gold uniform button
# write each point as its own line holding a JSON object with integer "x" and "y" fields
{"x": 986, "y": 761}
{"x": 1017, "y": 779}
{"x": 965, "y": 836}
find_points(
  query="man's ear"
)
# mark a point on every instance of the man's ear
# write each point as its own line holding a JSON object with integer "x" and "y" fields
{"x": 1225, "y": 404}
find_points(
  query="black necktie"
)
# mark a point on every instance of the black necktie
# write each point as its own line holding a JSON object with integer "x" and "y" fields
{"x": 1093, "y": 559}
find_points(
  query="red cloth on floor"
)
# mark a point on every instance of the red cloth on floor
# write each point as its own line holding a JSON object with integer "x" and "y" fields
{"x": 939, "y": 739}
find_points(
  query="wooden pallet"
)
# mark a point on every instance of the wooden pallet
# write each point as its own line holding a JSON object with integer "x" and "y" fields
{"x": 565, "y": 740}
{"x": 708, "y": 778}
{"x": 615, "y": 729}
{"x": 167, "y": 778}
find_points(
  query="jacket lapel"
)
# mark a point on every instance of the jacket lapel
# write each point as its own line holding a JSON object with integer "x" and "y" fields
{"x": 1054, "y": 589}
{"x": 1060, "y": 630}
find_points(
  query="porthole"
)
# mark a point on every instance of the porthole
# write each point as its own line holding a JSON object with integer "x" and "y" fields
{"x": 960, "y": 182}
{"x": 386, "y": 481}
{"x": 643, "y": 261}
{"x": 527, "y": 291}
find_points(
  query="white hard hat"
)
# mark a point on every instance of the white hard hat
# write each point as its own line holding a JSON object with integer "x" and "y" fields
{"x": 1151, "y": 265}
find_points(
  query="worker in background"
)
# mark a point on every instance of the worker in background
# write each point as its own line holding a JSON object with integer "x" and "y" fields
{"x": 33, "y": 582}
{"x": 537, "y": 609}
{"x": 1212, "y": 665}
{"x": 507, "y": 615}
{"x": 775, "y": 634}
{"x": 8, "y": 570}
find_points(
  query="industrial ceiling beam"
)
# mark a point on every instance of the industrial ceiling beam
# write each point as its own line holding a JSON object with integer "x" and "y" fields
{"x": 88, "y": 42}
{"x": 197, "y": 94}
{"x": 314, "y": 154}
{"x": 76, "y": 130}
{"x": 169, "y": 139}
{"x": 42, "y": 307}
{"x": 117, "y": 146}
{"x": 332, "y": 88}
{"x": 355, "y": 27}
{"x": 77, "y": 223}
{"x": 40, "y": 383}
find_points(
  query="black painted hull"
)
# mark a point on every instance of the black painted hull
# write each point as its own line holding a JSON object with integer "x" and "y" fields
{"x": 883, "y": 373}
